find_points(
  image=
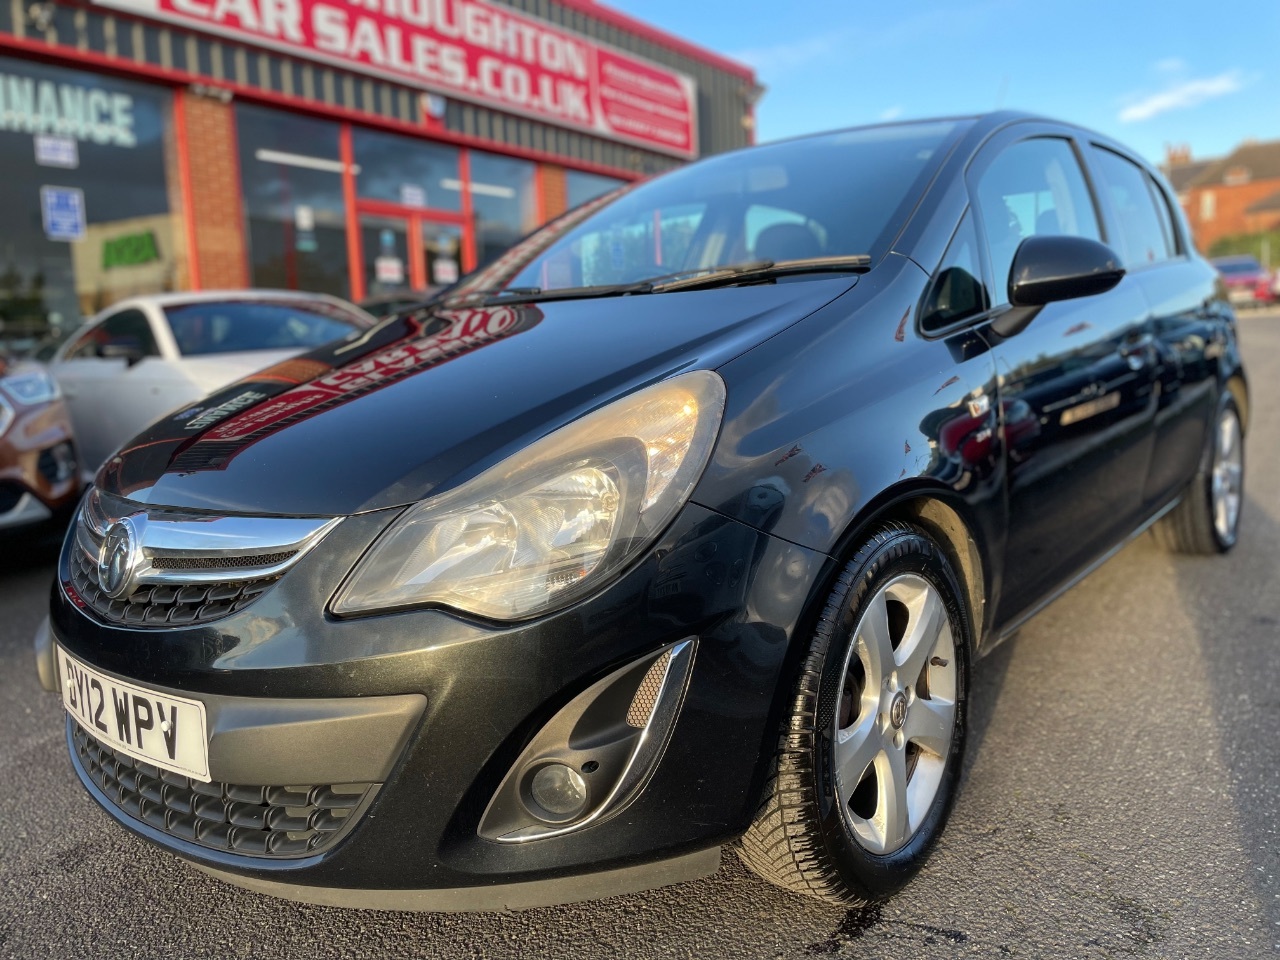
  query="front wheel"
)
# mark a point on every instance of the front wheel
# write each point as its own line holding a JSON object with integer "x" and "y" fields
{"x": 869, "y": 757}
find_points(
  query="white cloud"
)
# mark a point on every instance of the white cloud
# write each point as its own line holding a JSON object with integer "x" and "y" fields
{"x": 1171, "y": 65}
{"x": 893, "y": 113}
{"x": 785, "y": 56}
{"x": 1182, "y": 95}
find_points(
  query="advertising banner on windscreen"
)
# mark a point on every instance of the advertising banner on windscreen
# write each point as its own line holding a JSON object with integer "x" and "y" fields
{"x": 466, "y": 49}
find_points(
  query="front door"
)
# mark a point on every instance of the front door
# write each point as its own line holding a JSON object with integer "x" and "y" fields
{"x": 1076, "y": 385}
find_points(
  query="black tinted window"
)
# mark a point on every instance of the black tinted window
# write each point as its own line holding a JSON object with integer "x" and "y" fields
{"x": 1034, "y": 188}
{"x": 231, "y": 326}
{"x": 1142, "y": 236}
{"x": 129, "y": 329}
{"x": 957, "y": 290}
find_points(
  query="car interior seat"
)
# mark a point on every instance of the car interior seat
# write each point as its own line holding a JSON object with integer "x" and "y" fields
{"x": 787, "y": 241}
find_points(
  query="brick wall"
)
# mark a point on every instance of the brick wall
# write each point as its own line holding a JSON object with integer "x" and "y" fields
{"x": 215, "y": 192}
{"x": 555, "y": 195}
{"x": 1228, "y": 206}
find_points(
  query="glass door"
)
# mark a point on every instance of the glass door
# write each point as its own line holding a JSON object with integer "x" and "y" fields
{"x": 441, "y": 257}
{"x": 384, "y": 243}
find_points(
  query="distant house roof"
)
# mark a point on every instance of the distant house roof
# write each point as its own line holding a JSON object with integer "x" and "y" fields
{"x": 1266, "y": 204}
{"x": 1180, "y": 176}
{"x": 1246, "y": 163}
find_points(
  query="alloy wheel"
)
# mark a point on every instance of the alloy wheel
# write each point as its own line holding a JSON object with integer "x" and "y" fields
{"x": 896, "y": 719}
{"x": 1228, "y": 472}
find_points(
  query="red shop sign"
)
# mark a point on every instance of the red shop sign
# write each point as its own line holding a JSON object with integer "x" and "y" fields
{"x": 467, "y": 49}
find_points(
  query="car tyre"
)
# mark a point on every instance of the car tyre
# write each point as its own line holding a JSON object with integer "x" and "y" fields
{"x": 870, "y": 752}
{"x": 1207, "y": 518}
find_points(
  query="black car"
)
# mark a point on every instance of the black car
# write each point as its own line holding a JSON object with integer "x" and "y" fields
{"x": 680, "y": 526}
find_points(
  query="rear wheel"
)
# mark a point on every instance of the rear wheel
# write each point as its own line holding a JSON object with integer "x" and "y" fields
{"x": 1207, "y": 519}
{"x": 868, "y": 761}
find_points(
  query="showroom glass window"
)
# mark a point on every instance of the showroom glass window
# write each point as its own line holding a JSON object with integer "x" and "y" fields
{"x": 292, "y": 180}
{"x": 502, "y": 201}
{"x": 406, "y": 171}
{"x": 85, "y": 197}
{"x": 580, "y": 187}
{"x": 1034, "y": 188}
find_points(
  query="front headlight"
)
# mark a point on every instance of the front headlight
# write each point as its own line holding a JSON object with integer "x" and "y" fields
{"x": 546, "y": 526}
{"x": 31, "y": 388}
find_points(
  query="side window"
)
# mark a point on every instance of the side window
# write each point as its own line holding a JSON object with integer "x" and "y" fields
{"x": 129, "y": 328}
{"x": 86, "y": 345}
{"x": 957, "y": 292}
{"x": 1034, "y": 188}
{"x": 1143, "y": 237}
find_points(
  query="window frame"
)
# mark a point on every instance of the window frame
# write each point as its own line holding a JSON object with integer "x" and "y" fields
{"x": 1179, "y": 245}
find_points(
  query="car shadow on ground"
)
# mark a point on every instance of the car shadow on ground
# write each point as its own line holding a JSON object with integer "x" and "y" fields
{"x": 1240, "y": 654}
{"x": 32, "y": 547}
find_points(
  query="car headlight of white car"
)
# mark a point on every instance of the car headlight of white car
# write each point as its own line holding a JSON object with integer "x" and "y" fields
{"x": 32, "y": 387}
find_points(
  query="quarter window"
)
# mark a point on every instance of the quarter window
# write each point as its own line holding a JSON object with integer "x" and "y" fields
{"x": 1034, "y": 188}
{"x": 1142, "y": 235}
{"x": 957, "y": 292}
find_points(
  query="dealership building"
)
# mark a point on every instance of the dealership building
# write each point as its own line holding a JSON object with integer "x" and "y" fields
{"x": 355, "y": 147}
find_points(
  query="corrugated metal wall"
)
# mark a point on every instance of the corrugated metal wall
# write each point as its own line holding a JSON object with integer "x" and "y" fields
{"x": 721, "y": 96}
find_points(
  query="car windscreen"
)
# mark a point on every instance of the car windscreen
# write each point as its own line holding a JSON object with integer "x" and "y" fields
{"x": 232, "y": 326}
{"x": 839, "y": 194}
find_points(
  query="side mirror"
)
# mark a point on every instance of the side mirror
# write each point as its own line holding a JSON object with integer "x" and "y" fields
{"x": 126, "y": 348}
{"x": 1048, "y": 269}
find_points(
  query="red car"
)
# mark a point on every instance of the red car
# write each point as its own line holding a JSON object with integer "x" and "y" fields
{"x": 1248, "y": 284}
{"x": 39, "y": 473}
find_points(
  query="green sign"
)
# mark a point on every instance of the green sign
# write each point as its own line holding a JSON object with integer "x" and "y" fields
{"x": 131, "y": 250}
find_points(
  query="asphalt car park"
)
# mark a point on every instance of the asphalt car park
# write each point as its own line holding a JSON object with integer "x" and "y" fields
{"x": 1121, "y": 798}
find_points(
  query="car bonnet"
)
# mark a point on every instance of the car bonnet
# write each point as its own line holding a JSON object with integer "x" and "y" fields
{"x": 425, "y": 401}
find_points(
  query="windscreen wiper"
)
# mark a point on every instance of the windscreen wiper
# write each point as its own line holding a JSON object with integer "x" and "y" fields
{"x": 492, "y": 296}
{"x": 768, "y": 270}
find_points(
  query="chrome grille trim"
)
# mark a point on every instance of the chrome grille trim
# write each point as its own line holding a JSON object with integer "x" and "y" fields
{"x": 189, "y": 568}
{"x": 207, "y": 539}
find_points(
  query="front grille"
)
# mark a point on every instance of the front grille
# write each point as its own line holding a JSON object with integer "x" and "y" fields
{"x": 185, "y": 568}
{"x": 260, "y": 821}
{"x": 164, "y": 604}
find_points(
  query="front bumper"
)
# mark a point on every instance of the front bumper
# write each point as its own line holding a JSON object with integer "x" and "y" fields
{"x": 437, "y": 709}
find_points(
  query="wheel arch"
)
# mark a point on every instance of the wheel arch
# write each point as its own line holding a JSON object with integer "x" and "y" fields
{"x": 946, "y": 517}
{"x": 1238, "y": 387}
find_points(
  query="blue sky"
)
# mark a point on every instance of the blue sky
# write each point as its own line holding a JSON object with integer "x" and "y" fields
{"x": 1146, "y": 73}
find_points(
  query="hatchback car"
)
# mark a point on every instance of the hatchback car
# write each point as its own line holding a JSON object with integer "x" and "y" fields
{"x": 681, "y": 526}
{"x": 1247, "y": 283}
{"x": 147, "y": 356}
{"x": 39, "y": 476}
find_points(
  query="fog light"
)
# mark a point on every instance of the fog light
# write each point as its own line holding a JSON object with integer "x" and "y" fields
{"x": 559, "y": 790}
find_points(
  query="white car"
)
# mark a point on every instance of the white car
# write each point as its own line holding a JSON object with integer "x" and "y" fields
{"x": 147, "y": 356}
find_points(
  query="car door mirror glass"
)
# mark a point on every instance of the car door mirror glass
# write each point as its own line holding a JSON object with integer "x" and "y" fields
{"x": 1052, "y": 268}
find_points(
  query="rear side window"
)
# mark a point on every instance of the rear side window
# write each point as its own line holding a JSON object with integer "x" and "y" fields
{"x": 1144, "y": 236}
{"x": 1034, "y": 188}
{"x": 957, "y": 291}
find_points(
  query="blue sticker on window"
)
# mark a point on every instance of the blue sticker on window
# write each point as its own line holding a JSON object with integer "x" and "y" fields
{"x": 62, "y": 210}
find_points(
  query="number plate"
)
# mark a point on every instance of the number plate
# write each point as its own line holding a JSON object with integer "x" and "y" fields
{"x": 168, "y": 732}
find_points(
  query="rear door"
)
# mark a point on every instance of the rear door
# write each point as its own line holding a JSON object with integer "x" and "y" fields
{"x": 1075, "y": 386}
{"x": 1188, "y": 324}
